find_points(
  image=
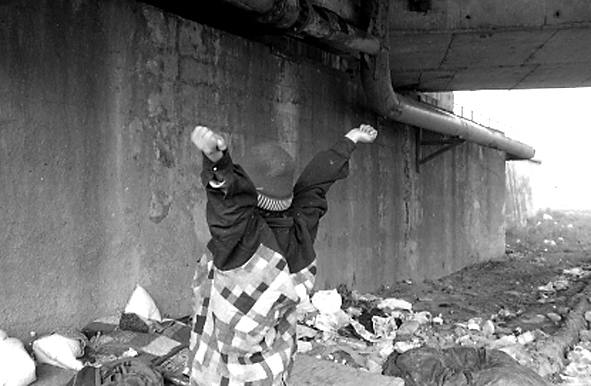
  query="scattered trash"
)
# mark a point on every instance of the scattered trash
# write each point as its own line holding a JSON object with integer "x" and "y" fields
{"x": 60, "y": 351}
{"x": 525, "y": 338}
{"x": 577, "y": 272}
{"x": 385, "y": 327}
{"x": 578, "y": 370}
{"x": 141, "y": 304}
{"x": 547, "y": 288}
{"x": 374, "y": 333}
{"x": 560, "y": 284}
{"x": 553, "y": 316}
{"x": 369, "y": 330}
{"x": 125, "y": 371}
{"x": 395, "y": 304}
{"x": 327, "y": 302}
{"x": 304, "y": 347}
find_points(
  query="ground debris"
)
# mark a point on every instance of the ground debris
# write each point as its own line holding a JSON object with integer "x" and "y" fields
{"x": 373, "y": 329}
{"x": 532, "y": 305}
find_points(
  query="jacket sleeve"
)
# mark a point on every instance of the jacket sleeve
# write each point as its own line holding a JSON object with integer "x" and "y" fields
{"x": 231, "y": 201}
{"x": 318, "y": 176}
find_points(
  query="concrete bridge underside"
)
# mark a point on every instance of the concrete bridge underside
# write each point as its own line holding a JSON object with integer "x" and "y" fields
{"x": 453, "y": 45}
{"x": 508, "y": 44}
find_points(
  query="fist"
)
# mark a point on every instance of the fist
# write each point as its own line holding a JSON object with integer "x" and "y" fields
{"x": 364, "y": 133}
{"x": 207, "y": 141}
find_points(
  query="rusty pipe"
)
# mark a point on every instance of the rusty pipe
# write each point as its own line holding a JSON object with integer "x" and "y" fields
{"x": 376, "y": 78}
{"x": 303, "y": 19}
{"x": 260, "y": 7}
{"x": 328, "y": 27}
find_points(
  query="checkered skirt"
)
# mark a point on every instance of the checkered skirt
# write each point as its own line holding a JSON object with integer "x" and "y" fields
{"x": 244, "y": 330}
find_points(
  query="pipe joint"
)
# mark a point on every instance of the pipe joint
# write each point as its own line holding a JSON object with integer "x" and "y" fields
{"x": 304, "y": 19}
{"x": 283, "y": 15}
{"x": 329, "y": 27}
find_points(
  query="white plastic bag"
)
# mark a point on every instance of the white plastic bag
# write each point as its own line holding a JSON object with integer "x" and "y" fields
{"x": 17, "y": 368}
{"x": 60, "y": 351}
{"x": 394, "y": 304}
{"x": 327, "y": 302}
{"x": 142, "y": 304}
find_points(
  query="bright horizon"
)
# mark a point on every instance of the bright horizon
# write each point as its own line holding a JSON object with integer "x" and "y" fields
{"x": 556, "y": 122}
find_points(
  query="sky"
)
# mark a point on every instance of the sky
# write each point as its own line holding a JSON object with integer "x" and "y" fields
{"x": 557, "y": 124}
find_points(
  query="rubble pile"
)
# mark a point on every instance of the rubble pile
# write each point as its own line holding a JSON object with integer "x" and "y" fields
{"x": 371, "y": 333}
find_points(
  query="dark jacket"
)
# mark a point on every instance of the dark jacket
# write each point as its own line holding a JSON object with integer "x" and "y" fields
{"x": 237, "y": 227}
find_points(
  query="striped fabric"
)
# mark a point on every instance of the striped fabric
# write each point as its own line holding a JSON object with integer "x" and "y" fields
{"x": 244, "y": 330}
{"x": 272, "y": 204}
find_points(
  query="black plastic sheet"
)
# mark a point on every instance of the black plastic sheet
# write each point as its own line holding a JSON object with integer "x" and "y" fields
{"x": 460, "y": 366}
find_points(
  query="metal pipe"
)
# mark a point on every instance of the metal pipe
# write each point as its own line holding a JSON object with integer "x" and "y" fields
{"x": 328, "y": 27}
{"x": 303, "y": 19}
{"x": 376, "y": 78}
{"x": 258, "y": 6}
{"x": 299, "y": 17}
{"x": 435, "y": 119}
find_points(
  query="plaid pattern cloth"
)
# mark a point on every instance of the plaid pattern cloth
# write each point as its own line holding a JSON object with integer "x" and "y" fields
{"x": 244, "y": 330}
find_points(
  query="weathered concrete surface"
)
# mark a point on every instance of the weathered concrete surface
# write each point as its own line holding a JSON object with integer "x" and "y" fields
{"x": 441, "y": 45}
{"x": 466, "y": 205}
{"x": 99, "y": 182}
{"x": 504, "y": 44}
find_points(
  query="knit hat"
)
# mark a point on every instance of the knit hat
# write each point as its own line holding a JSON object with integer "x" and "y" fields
{"x": 271, "y": 169}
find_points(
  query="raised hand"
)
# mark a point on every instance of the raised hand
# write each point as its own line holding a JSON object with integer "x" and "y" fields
{"x": 364, "y": 133}
{"x": 209, "y": 142}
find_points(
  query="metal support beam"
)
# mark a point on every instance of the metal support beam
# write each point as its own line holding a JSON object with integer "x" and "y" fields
{"x": 448, "y": 144}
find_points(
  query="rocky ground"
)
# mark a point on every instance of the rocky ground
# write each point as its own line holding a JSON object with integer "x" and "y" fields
{"x": 532, "y": 304}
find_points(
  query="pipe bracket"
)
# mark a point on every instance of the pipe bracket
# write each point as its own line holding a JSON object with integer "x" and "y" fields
{"x": 448, "y": 144}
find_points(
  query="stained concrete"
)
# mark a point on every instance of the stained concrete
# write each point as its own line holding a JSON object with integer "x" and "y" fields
{"x": 99, "y": 181}
{"x": 503, "y": 44}
{"x": 441, "y": 45}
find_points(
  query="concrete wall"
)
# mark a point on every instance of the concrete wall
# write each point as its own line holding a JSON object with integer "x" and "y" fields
{"x": 461, "y": 201}
{"x": 99, "y": 184}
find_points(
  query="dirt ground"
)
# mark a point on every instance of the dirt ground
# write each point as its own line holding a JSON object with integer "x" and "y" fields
{"x": 532, "y": 288}
{"x": 507, "y": 289}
